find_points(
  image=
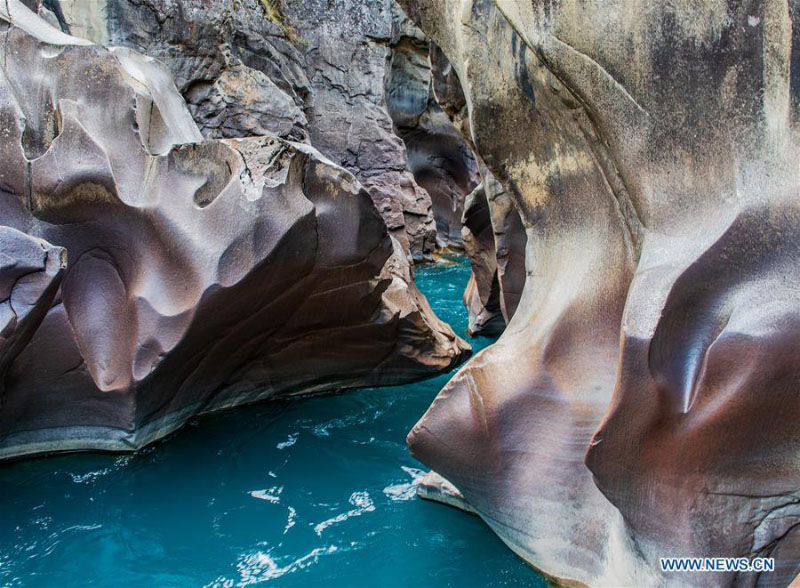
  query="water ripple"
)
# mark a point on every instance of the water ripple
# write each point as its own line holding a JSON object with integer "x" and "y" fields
{"x": 408, "y": 490}
{"x": 362, "y": 503}
{"x": 262, "y": 567}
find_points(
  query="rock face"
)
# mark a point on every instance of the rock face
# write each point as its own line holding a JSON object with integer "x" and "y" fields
{"x": 30, "y": 275}
{"x": 348, "y": 45}
{"x": 200, "y": 274}
{"x": 492, "y": 232}
{"x": 440, "y": 159}
{"x": 239, "y": 74}
{"x": 642, "y": 401}
{"x": 482, "y": 294}
{"x": 494, "y": 239}
{"x": 298, "y": 69}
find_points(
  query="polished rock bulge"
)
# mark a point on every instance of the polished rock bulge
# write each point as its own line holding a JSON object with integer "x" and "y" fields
{"x": 643, "y": 399}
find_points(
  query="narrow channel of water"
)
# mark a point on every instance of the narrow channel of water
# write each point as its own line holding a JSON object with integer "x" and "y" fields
{"x": 307, "y": 492}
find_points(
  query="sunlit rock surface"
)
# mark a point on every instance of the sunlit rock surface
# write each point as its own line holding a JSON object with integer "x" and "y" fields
{"x": 237, "y": 71}
{"x": 643, "y": 400}
{"x": 147, "y": 275}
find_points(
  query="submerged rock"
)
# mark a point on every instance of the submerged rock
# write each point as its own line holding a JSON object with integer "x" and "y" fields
{"x": 200, "y": 275}
{"x": 642, "y": 401}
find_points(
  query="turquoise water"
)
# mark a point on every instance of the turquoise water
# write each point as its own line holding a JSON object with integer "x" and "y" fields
{"x": 307, "y": 492}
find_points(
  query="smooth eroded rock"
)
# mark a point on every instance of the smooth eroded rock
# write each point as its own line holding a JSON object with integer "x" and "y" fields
{"x": 305, "y": 71}
{"x": 642, "y": 401}
{"x": 201, "y": 274}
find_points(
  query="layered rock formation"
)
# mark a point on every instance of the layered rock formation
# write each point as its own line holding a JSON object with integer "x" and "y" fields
{"x": 347, "y": 59}
{"x": 147, "y": 275}
{"x": 298, "y": 69}
{"x": 642, "y": 400}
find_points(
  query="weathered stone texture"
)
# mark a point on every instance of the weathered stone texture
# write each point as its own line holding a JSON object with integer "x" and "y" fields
{"x": 642, "y": 401}
{"x": 199, "y": 274}
{"x": 440, "y": 159}
{"x": 305, "y": 71}
{"x": 494, "y": 239}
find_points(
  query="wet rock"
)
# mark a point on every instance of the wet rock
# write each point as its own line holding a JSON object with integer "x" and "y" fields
{"x": 434, "y": 487}
{"x": 201, "y": 274}
{"x": 641, "y": 402}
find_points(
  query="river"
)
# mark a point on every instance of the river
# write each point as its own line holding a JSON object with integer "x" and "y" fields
{"x": 305, "y": 492}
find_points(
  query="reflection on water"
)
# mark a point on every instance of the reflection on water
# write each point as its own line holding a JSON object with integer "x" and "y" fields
{"x": 303, "y": 492}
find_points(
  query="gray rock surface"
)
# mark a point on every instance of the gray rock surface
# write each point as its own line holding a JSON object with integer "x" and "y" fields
{"x": 301, "y": 70}
{"x": 440, "y": 159}
{"x": 239, "y": 73}
{"x": 348, "y": 45}
{"x": 200, "y": 275}
{"x": 643, "y": 398}
{"x": 31, "y": 271}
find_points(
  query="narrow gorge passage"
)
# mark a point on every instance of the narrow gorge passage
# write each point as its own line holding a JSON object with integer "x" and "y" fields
{"x": 305, "y": 492}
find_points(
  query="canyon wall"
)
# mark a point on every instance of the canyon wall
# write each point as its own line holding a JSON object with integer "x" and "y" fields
{"x": 642, "y": 400}
{"x": 148, "y": 274}
{"x": 440, "y": 159}
{"x": 305, "y": 71}
{"x": 494, "y": 239}
{"x": 351, "y": 77}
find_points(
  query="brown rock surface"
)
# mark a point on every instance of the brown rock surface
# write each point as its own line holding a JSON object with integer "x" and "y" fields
{"x": 491, "y": 229}
{"x": 200, "y": 275}
{"x": 494, "y": 238}
{"x": 482, "y": 294}
{"x": 652, "y": 152}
